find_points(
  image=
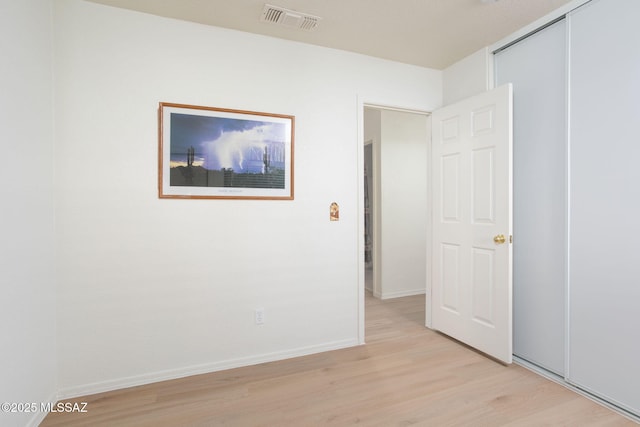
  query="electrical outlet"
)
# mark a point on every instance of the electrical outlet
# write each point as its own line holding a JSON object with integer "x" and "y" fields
{"x": 259, "y": 316}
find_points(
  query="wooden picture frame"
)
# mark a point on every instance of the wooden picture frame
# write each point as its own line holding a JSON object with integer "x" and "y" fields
{"x": 219, "y": 153}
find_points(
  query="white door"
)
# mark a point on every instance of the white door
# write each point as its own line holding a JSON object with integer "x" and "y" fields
{"x": 472, "y": 185}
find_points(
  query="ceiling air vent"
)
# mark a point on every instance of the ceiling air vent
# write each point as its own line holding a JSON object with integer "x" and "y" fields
{"x": 289, "y": 18}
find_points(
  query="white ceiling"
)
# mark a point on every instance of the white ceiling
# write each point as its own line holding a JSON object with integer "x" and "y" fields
{"x": 428, "y": 33}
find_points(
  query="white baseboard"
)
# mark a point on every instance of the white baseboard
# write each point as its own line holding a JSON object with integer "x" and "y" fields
{"x": 399, "y": 294}
{"x": 148, "y": 378}
{"x": 39, "y": 416}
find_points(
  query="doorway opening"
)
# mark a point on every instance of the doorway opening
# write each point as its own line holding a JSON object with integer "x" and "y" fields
{"x": 394, "y": 206}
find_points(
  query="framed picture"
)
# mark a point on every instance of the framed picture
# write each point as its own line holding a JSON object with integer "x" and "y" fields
{"x": 217, "y": 153}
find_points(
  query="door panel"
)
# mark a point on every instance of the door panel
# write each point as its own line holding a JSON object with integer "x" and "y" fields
{"x": 536, "y": 66}
{"x": 483, "y": 287}
{"x": 450, "y": 277}
{"x": 471, "y": 161}
{"x": 450, "y": 178}
{"x": 483, "y": 186}
{"x": 604, "y": 285}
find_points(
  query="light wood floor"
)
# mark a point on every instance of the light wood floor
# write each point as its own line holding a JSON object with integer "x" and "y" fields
{"x": 404, "y": 375}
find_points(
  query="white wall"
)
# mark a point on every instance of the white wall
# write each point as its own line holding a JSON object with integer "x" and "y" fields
{"x": 403, "y": 203}
{"x": 467, "y": 77}
{"x": 399, "y": 208}
{"x": 153, "y": 289}
{"x": 27, "y": 303}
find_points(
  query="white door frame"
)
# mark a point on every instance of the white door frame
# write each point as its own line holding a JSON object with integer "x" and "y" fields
{"x": 363, "y": 102}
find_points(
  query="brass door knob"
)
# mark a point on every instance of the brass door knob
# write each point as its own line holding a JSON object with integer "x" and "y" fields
{"x": 499, "y": 239}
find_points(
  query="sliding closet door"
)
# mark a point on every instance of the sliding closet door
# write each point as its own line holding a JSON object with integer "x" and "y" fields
{"x": 604, "y": 256}
{"x": 537, "y": 68}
